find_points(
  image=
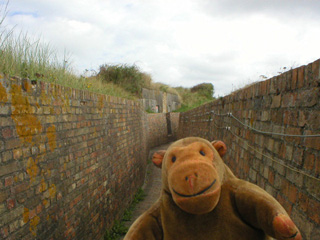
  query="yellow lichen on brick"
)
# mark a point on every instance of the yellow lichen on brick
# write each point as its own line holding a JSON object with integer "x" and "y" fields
{"x": 26, "y": 86}
{"x": 25, "y": 215}
{"x": 3, "y": 94}
{"x": 27, "y": 124}
{"x": 51, "y": 135}
{"x": 33, "y": 225}
{"x": 43, "y": 185}
{"x": 100, "y": 105}
{"x": 32, "y": 168}
{"x": 52, "y": 191}
{"x": 45, "y": 202}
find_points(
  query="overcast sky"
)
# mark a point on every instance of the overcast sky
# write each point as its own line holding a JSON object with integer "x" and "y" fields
{"x": 179, "y": 42}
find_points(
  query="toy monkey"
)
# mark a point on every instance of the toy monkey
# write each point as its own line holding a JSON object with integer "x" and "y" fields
{"x": 201, "y": 199}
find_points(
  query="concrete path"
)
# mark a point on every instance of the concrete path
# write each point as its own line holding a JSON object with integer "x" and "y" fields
{"x": 151, "y": 187}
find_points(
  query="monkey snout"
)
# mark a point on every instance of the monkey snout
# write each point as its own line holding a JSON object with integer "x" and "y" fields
{"x": 191, "y": 179}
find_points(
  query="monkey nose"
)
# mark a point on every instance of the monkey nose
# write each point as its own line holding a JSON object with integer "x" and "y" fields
{"x": 191, "y": 180}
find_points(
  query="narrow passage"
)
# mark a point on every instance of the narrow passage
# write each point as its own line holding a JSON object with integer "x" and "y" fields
{"x": 152, "y": 187}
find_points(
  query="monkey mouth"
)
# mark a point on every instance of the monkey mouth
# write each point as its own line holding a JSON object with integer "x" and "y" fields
{"x": 196, "y": 194}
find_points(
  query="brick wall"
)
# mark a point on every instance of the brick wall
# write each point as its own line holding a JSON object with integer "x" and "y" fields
{"x": 70, "y": 160}
{"x": 174, "y": 121}
{"x": 289, "y": 104}
{"x": 158, "y": 129}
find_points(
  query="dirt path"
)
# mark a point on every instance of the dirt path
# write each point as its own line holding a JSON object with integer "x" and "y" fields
{"x": 151, "y": 187}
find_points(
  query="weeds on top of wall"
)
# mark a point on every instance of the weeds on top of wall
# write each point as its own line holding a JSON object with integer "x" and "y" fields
{"x": 131, "y": 78}
{"x": 195, "y": 96}
{"x": 26, "y": 57}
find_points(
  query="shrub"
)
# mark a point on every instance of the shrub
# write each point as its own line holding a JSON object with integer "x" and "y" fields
{"x": 128, "y": 77}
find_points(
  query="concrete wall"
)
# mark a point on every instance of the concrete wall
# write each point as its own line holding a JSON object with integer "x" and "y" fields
{"x": 70, "y": 160}
{"x": 158, "y": 101}
{"x": 286, "y": 167}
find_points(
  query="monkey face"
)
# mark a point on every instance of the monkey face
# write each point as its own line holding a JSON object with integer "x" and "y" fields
{"x": 193, "y": 172}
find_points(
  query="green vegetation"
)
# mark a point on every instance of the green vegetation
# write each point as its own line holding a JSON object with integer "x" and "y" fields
{"x": 130, "y": 78}
{"x": 195, "y": 96}
{"x": 127, "y": 77}
{"x": 119, "y": 229}
{"x": 25, "y": 57}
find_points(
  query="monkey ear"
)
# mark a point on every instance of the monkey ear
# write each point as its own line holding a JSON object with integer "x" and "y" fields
{"x": 220, "y": 147}
{"x": 157, "y": 158}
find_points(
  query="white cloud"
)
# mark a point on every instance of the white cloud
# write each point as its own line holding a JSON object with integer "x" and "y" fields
{"x": 179, "y": 42}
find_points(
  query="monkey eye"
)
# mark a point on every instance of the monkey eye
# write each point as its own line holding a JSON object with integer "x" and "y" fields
{"x": 202, "y": 153}
{"x": 173, "y": 159}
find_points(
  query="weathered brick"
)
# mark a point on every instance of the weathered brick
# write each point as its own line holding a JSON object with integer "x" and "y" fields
{"x": 303, "y": 201}
{"x": 8, "y": 181}
{"x": 289, "y": 152}
{"x": 285, "y": 204}
{"x": 309, "y": 161}
{"x": 295, "y": 177}
{"x": 298, "y": 156}
{"x": 312, "y": 142}
{"x": 276, "y": 101}
{"x": 294, "y": 78}
{"x": 308, "y": 98}
{"x": 312, "y": 186}
{"x": 302, "y": 121}
{"x": 302, "y": 221}
{"x": 315, "y": 233}
{"x": 289, "y": 100}
{"x": 6, "y": 121}
{"x": 312, "y": 119}
{"x": 317, "y": 168}
{"x": 20, "y": 188}
{"x": 314, "y": 210}
{"x": 2, "y": 145}
{"x": 17, "y": 153}
{"x": 4, "y": 194}
{"x": 7, "y": 133}
{"x": 301, "y": 76}
{"x": 14, "y": 226}
{"x": 11, "y": 215}
{"x": 12, "y": 143}
{"x": 290, "y": 117}
{"x": 289, "y": 190}
{"x": 265, "y": 116}
{"x": 4, "y": 232}
{"x": 5, "y": 110}
{"x": 9, "y": 168}
{"x": 253, "y": 175}
{"x": 11, "y": 203}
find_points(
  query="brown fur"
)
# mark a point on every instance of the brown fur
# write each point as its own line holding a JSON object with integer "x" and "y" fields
{"x": 202, "y": 199}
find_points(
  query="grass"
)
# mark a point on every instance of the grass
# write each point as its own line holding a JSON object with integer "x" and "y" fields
{"x": 25, "y": 57}
{"x": 131, "y": 78}
{"x": 119, "y": 229}
{"x": 195, "y": 96}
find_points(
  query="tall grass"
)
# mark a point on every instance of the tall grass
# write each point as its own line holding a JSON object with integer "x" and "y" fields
{"x": 195, "y": 96}
{"x": 29, "y": 58}
{"x": 23, "y": 56}
{"x": 131, "y": 78}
